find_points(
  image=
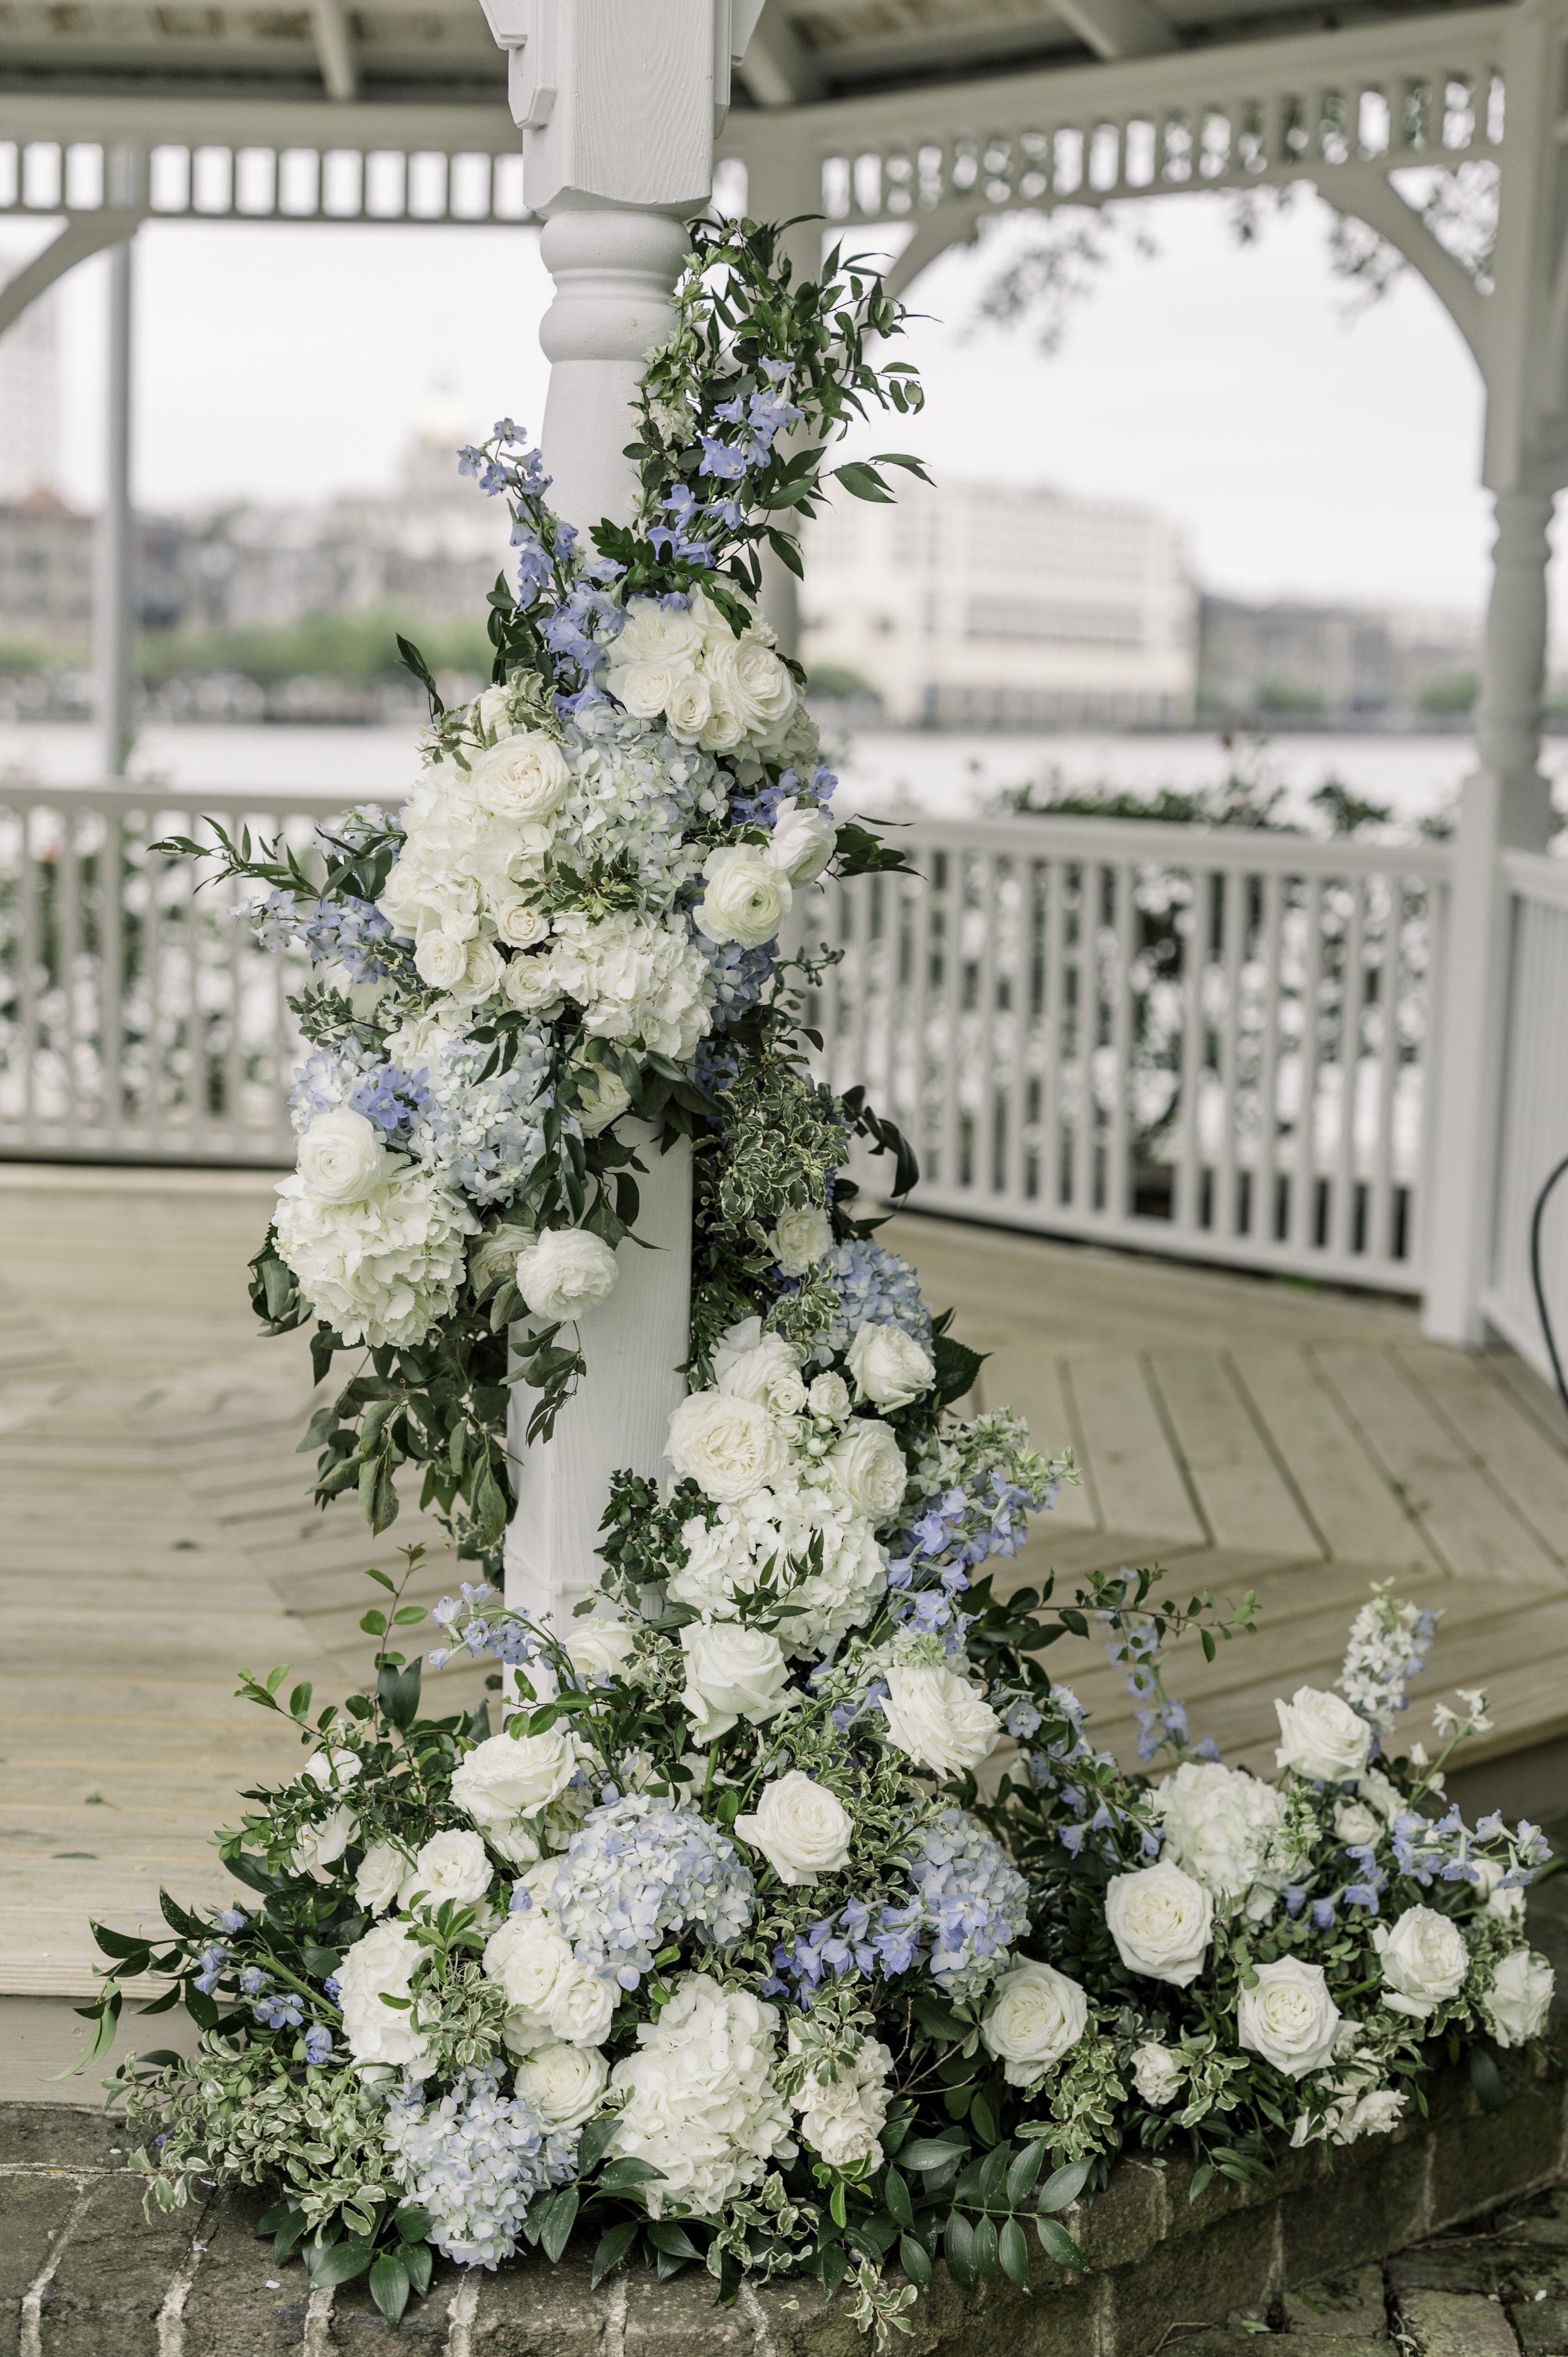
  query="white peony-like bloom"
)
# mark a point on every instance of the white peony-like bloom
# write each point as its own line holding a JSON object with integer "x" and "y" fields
{"x": 1227, "y": 1829}
{"x": 605, "y": 1098}
{"x": 566, "y": 2085}
{"x": 1288, "y": 2016}
{"x": 867, "y": 1464}
{"x": 449, "y": 1866}
{"x": 567, "y": 1273}
{"x": 1321, "y": 1737}
{"x": 383, "y": 1270}
{"x": 746, "y": 900}
{"x": 1423, "y": 1960}
{"x": 795, "y": 1523}
{"x": 1157, "y": 2073}
{"x": 729, "y": 1447}
{"x": 523, "y": 776}
{"x": 889, "y": 1367}
{"x": 381, "y": 1875}
{"x": 599, "y": 1645}
{"x": 804, "y": 837}
{"x": 770, "y": 1374}
{"x": 343, "y": 1157}
{"x": 324, "y": 1842}
{"x": 1161, "y": 1921}
{"x": 801, "y": 1237}
{"x": 751, "y": 682}
{"x": 507, "y": 1777}
{"x": 382, "y": 1964}
{"x": 1035, "y": 2016}
{"x": 801, "y": 1828}
{"x": 732, "y": 1672}
{"x": 495, "y": 1252}
{"x": 1520, "y": 1999}
{"x": 938, "y": 1718}
{"x": 701, "y": 2103}
{"x": 841, "y": 2119}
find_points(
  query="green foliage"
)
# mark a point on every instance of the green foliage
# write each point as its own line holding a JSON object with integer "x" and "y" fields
{"x": 355, "y": 648}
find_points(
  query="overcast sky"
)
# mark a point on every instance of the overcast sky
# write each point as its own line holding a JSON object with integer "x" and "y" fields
{"x": 1301, "y": 452}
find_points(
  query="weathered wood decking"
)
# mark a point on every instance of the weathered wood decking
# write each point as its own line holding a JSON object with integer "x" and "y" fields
{"x": 156, "y": 1532}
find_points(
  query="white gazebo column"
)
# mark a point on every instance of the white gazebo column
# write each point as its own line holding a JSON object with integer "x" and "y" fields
{"x": 115, "y": 598}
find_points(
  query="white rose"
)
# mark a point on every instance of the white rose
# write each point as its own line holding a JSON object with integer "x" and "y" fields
{"x": 580, "y": 2005}
{"x": 1288, "y": 2016}
{"x": 1517, "y": 2003}
{"x": 770, "y": 1374}
{"x": 829, "y": 1397}
{"x": 653, "y": 632}
{"x": 1157, "y": 2073}
{"x": 801, "y": 1237}
{"x": 1356, "y": 1824}
{"x": 1035, "y": 2016}
{"x": 729, "y": 1447}
{"x": 746, "y": 900}
{"x": 510, "y": 1776}
{"x": 600, "y": 1645}
{"x": 867, "y": 1464}
{"x": 604, "y": 1099}
{"x": 332, "y": 1769}
{"x": 1423, "y": 1960}
{"x": 522, "y": 777}
{"x": 1384, "y": 1796}
{"x": 342, "y": 1157}
{"x": 1321, "y": 1737}
{"x": 531, "y": 986}
{"x": 449, "y": 1866}
{"x": 495, "y": 1252}
{"x": 565, "y": 2084}
{"x": 440, "y": 961}
{"x": 938, "y": 1718}
{"x": 1507, "y": 1905}
{"x": 380, "y": 1879}
{"x": 520, "y": 924}
{"x": 484, "y": 972}
{"x": 690, "y": 707}
{"x": 323, "y": 1843}
{"x": 382, "y": 1964}
{"x": 645, "y": 688}
{"x": 732, "y": 1672}
{"x": 801, "y": 1828}
{"x": 803, "y": 840}
{"x": 889, "y": 1367}
{"x": 1161, "y": 1921}
{"x": 529, "y": 1959}
{"x": 567, "y": 1273}
{"x": 753, "y": 683}
{"x": 723, "y": 728}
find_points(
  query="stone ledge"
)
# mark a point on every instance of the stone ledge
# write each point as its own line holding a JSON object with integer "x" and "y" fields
{"x": 81, "y": 2275}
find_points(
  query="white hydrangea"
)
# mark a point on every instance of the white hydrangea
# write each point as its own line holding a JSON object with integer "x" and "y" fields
{"x": 383, "y": 1270}
{"x": 780, "y": 1525}
{"x": 1227, "y": 1830}
{"x": 641, "y": 981}
{"x": 460, "y": 862}
{"x": 701, "y": 2103}
{"x": 841, "y": 2119}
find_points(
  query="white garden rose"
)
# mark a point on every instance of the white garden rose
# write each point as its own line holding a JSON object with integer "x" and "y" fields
{"x": 654, "y": 632}
{"x": 343, "y": 1157}
{"x": 567, "y": 1273}
{"x": 770, "y": 1374}
{"x": 843, "y": 2119}
{"x": 382, "y": 1963}
{"x": 1288, "y": 2016}
{"x": 1321, "y": 1737}
{"x": 801, "y": 1828}
{"x": 889, "y": 1367}
{"x": 440, "y": 961}
{"x": 867, "y": 1464}
{"x": 1227, "y": 1829}
{"x": 937, "y": 1718}
{"x": 732, "y": 1672}
{"x": 448, "y": 1866}
{"x": 1161, "y": 1921}
{"x": 729, "y": 1447}
{"x": 532, "y": 986}
{"x": 752, "y": 682}
{"x": 581, "y": 2004}
{"x": 724, "y": 729}
{"x": 483, "y": 971}
{"x": 1356, "y": 1824}
{"x": 645, "y": 688}
{"x": 381, "y": 1875}
{"x": 511, "y": 1776}
{"x": 1157, "y": 2073}
{"x": 689, "y": 709}
{"x": 746, "y": 899}
{"x": 701, "y": 2103}
{"x": 521, "y": 924}
{"x": 599, "y": 1645}
{"x": 529, "y": 1959}
{"x": 323, "y": 1842}
{"x": 523, "y": 776}
{"x": 604, "y": 1099}
{"x": 1423, "y": 1960}
{"x": 495, "y": 1252}
{"x": 1517, "y": 2003}
{"x": 829, "y": 1397}
{"x": 801, "y": 1237}
{"x": 565, "y": 2084}
{"x": 1035, "y": 2016}
{"x": 803, "y": 840}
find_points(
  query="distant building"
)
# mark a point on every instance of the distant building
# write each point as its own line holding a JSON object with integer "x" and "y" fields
{"x": 1344, "y": 665}
{"x": 1001, "y": 609}
{"x": 46, "y": 575}
{"x": 29, "y": 394}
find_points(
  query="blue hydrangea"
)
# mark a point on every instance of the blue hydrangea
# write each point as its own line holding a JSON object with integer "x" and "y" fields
{"x": 873, "y": 1284}
{"x": 477, "y": 2160}
{"x": 740, "y": 976}
{"x": 972, "y": 1901}
{"x": 484, "y": 1136}
{"x": 329, "y": 1078}
{"x": 640, "y": 1869}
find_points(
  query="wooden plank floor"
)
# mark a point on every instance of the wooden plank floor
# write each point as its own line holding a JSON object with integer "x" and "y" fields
{"x": 157, "y": 1530}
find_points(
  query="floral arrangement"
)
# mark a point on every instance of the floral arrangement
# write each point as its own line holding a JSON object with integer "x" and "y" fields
{"x": 790, "y": 1921}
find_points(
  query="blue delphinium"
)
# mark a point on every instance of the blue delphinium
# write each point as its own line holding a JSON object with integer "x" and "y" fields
{"x": 351, "y": 933}
{"x": 640, "y": 1869}
{"x": 392, "y": 1099}
{"x": 476, "y": 2160}
{"x": 873, "y": 1284}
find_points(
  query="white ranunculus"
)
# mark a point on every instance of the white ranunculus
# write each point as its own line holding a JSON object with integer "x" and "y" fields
{"x": 382, "y": 1964}
{"x": 746, "y": 899}
{"x": 801, "y": 1828}
{"x": 448, "y": 1866}
{"x": 753, "y": 683}
{"x": 829, "y": 1397}
{"x": 803, "y": 840}
{"x": 604, "y": 1099}
{"x": 332, "y": 1769}
{"x": 1517, "y": 2003}
{"x": 1157, "y": 2073}
{"x": 801, "y": 1237}
{"x": 565, "y": 2084}
{"x": 690, "y": 707}
{"x": 567, "y": 1273}
{"x": 581, "y": 2004}
{"x": 511, "y": 1776}
{"x": 1321, "y": 1737}
{"x": 732, "y": 1672}
{"x": 867, "y": 1464}
{"x": 521, "y": 924}
{"x": 1507, "y": 1905}
{"x": 600, "y": 1644}
{"x": 380, "y": 1879}
{"x": 1356, "y": 1824}
{"x": 495, "y": 1252}
{"x": 1423, "y": 1960}
{"x": 701, "y": 2103}
{"x": 1224, "y": 1828}
{"x": 889, "y": 1367}
{"x": 729, "y": 1447}
{"x": 523, "y": 776}
{"x": 440, "y": 961}
{"x": 323, "y": 1842}
{"x": 1161, "y": 1921}
{"x": 1035, "y": 2016}
{"x": 529, "y": 1959}
{"x": 342, "y": 1157}
{"x": 531, "y": 986}
{"x": 1288, "y": 2016}
{"x": 937, "y": 1718}
{"x": 843, "y": 2119}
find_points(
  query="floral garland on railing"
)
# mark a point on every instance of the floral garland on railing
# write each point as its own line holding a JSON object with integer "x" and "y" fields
{"x": 792, "y": 1922}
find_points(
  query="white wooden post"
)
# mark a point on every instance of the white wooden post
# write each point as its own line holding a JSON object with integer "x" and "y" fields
{"x": 618, "y": 102}
{"x": 114, "y": 600}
